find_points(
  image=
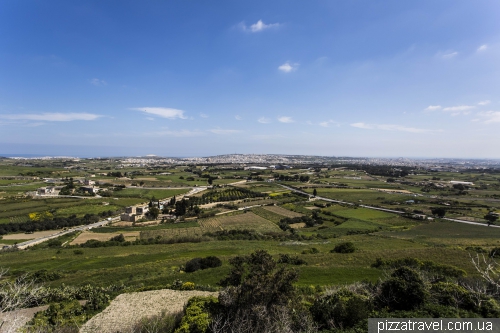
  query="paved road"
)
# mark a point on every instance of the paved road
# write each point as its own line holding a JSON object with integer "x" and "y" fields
{"x": 384, "y": 209}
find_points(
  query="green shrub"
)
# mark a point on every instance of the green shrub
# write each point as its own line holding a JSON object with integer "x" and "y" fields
{"x": 288, "y": 259}
{"x": 346, "y": 247}
{"x": 202, "y": 263}
{"x": 60, "y": 314}
{"x": 477, "y": 249}
{"x": 451, "y": 294}
{"x": 404, "y": 290}
{"x": 78, "y": 252}
{"x": 197, "y": 315}
{"x": 341, "y": 310}
{"x": 188, "y": 286}
{"x": 120, "y": 238}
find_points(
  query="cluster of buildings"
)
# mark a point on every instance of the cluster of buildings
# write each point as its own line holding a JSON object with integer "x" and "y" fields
{"x": 134, "y": 213}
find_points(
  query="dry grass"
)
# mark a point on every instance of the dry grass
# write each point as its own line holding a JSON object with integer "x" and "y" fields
{"x": 297, "y": 225}
{"x": 88, "y": 235}
{"x": 282, "y": 211}
{"x": 128, "y": 309}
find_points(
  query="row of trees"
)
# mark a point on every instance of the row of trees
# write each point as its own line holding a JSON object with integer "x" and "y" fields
{"x": 48, "y": 224}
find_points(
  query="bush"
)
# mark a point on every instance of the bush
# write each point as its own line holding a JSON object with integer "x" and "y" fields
{"x": 287, "y": 259}
{"x": 120, "y": 238}
{"x": 197, "y": 315}
{"x": 347, "y": 247}
{"x": 341, "y": 310}
{"x": 188, "y": 286}
{"x": 477, "y": 249}
{"x": 202, "y": 263}
{"x": 78, "y": 252}
{"x": 312, "y": 250}
{"x": 45, "y": 276}
{"x": 404, "y": 290}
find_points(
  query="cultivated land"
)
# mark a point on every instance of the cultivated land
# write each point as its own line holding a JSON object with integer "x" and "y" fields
{"x": 253, "y": 211}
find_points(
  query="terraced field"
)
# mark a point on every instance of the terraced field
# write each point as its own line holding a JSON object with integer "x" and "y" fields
{"x": 242, "y": 221}
{"x": 282, "y": 211}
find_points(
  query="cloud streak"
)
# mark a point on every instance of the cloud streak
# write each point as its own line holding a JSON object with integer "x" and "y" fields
{"x": 482, "y": 48}
{"x": 288, "y": 67}
{"x": 286, "y": 120}
{"x": 51, "y": 116}
{"x": 390, "y": 127}
{"x": 449, "y": 55}
{"x": 167, "y": 113}
{"x": 433, "y": 108}
{"x": 328, "y": 123}
{"x": 258, "y": 26}
{"x": 98, "y": 83}
{"x": 489, "y": 117}
{"x": 264, "y": 120}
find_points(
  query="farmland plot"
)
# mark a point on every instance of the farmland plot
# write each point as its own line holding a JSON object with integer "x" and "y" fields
{"x": 244, "y": 221}
{"x": 172, "y": 233}
{"x": 88, "y": 235}
{"x": 282, "y": 211}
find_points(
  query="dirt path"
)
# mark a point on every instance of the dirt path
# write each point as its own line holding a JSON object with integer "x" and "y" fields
{"x": 127, "y": 309}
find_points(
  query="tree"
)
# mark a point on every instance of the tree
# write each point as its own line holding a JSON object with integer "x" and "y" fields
{"x": 491, "y": 218}
{"x": 260, "y": 297}
{"x": 438, "y": 211}
{"x": 315, "y": 192}
{"x": 154, "y": 212}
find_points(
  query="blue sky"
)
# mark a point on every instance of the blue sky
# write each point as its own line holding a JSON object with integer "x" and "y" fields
{"x": 199, "y": 78}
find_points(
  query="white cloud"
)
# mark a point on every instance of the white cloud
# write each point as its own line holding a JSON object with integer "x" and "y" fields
{"x": 433, "y": 108}
{"x": 328, "y": 123}
{"x": 484, "y": 102}
{"x": 459, "y": 108}
{"x": 224, "y": 131}
{"x": 98, "y": 82}
{"x": 286, "y": 120}
{"x": 162, "y": 112}
{"x": 264, "y": 120}
{"x": 288, "y": 67}
{"x": 203, "y": 115}
{"x": 449, "y": 55}
{"x": 390, "y": 127}
{"x": 482, "y": 48}
{"x": 51, "y": 116}
{"x": 149, "y": 118}
{"x": 489, "y": 117}
{"x": 238, "y": 117}
{"x": 257, "y": 27}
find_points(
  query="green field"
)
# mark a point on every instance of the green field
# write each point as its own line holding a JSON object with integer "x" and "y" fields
{"x": 450, "y": 233}
{"x": 375, "y": 234}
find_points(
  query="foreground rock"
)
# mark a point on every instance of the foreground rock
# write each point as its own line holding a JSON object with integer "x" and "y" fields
{"x": 127, "y": 309}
